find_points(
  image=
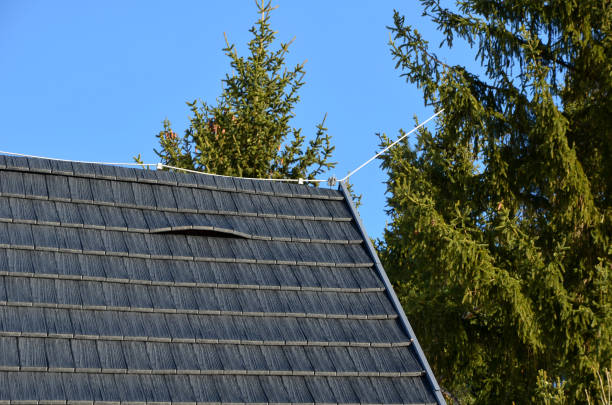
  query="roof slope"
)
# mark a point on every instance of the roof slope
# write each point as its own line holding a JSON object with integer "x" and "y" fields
{"x": 128, "y": 285}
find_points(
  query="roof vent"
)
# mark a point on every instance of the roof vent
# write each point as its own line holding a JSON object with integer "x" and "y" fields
{"x": 202, "y": 231}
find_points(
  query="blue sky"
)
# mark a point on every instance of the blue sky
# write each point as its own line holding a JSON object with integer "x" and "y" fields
{"x": 94, "y": 80}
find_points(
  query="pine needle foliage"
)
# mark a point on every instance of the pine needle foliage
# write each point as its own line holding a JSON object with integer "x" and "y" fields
{"x": 248, "y": 133}
{"x": 499, "y": 244}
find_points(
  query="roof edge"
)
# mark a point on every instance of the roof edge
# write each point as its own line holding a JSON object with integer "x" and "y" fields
{"x": 173, "y": 177}
{"x": 394, "y": 300}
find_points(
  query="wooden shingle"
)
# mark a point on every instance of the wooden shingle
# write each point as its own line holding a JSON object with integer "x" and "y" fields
{"x": 131, "y": 286}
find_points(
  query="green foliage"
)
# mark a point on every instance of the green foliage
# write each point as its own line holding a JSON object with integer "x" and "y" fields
{"x": 499, "y": 245}
{"x": 602, "y": 394}
{"x": 248, "y": 132}
{"x": 549, "y": 392}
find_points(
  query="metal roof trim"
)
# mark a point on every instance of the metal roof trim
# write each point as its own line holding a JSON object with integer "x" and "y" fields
{"x": 394, "y": 300}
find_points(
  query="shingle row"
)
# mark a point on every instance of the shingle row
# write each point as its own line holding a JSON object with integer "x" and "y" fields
{"x": 80, "y": 240}
{"x": 154, "y": 196}
{"x": 183, "y": 273}
{"x": 167, "y": 326}
{"x": 190, "y": 299}
{"x": 172, "y": 178}
{"x": 55, "y": 213}
{"x": 70, "y": 354}
{"x": 130, "y": 388}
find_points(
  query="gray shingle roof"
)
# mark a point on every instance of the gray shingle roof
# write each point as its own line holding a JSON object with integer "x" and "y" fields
{"x": 134, "y": 286}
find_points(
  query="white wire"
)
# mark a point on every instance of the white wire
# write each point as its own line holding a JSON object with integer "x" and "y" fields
{"x": 390, "y": 146}
{"x": 78, "y": 161}
{"x": 331, "y": 181}
{"x": 235, "y": 177}
{"x": 157, "y": 165}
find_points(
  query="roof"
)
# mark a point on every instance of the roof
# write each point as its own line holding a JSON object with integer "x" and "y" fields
{"x": 137, "y": 286}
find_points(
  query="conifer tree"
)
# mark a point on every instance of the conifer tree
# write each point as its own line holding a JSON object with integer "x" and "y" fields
{"x": 248, "y": 133}
{"x": 499, "y": 244}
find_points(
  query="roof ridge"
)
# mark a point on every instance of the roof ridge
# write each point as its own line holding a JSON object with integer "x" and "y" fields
{"x": 164, "y": 177}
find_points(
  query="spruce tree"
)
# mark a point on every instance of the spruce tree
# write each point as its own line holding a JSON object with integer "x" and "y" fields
{"x": 248, "y": 132}
{"x": 499, "y": 244}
